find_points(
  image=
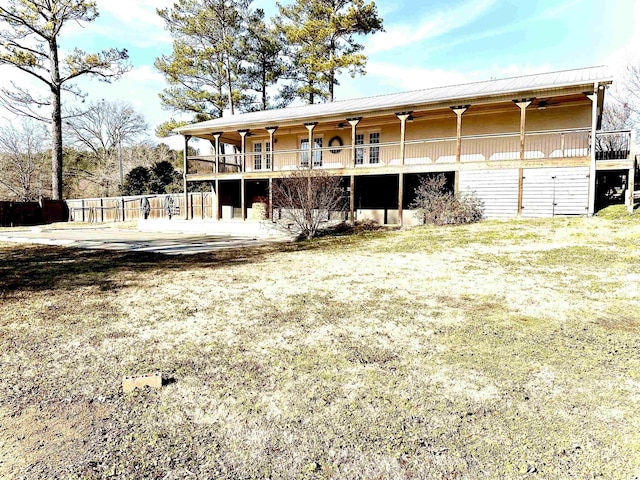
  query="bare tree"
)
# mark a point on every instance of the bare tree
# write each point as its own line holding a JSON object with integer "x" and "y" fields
{"x": 306, "y": 199}
{"x": 100, "y": 132}
{"x": 23, "y": 150}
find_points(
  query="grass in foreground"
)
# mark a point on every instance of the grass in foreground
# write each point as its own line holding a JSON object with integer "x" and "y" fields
{"x": 483, "y": 351}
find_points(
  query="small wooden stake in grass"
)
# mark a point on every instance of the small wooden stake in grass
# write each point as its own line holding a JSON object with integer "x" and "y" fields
{"x": 153, "y": 380}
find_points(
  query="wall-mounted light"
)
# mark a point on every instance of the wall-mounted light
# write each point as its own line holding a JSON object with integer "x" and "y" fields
{"x": 410, "y": 118}
{"x": 340, "y": 126}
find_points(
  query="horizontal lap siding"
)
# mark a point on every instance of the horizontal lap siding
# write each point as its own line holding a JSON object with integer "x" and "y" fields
{"x": 569, "y": 190}
{"x": 498, "y": 190}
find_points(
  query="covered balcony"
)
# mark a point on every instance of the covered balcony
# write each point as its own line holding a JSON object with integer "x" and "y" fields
{"x": 537, "y": 145}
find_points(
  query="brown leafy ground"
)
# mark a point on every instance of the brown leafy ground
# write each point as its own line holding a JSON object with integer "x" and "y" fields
{"x": 483, "y": 351}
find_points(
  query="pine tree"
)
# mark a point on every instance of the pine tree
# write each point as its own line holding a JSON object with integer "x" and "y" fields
{"x": 322, "y": 39}
{"x": 263, "y": 55}
{"x": 29, "y": 41}
{"x": 204, "y": 70}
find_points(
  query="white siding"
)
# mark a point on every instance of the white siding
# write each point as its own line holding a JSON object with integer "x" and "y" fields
{"x": 555, "y": 191}
{"x": 498, "y": 189}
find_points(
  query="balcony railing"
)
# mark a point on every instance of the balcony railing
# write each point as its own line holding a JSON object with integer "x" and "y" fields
{"x": 474, "y": 148}
{"x": 615, "y": 145}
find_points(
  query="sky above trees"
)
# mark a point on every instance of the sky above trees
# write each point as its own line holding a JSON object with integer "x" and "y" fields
{"x": 425, "y": 44}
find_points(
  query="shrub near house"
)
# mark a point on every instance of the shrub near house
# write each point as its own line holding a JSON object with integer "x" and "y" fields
{"x": 435, "y": 204}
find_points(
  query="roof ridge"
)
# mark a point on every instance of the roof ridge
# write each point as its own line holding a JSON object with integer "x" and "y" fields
{"x": 462, "y": 84}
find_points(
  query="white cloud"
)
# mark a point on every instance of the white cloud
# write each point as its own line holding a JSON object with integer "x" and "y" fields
{"x": 430, "y": 26}
{"x": 135, "y": 12}
{"x": 144, "y": 74}
{"x": 134, "y": 23}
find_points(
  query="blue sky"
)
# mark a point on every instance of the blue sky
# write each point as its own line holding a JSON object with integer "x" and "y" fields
{"x": 426, "y": 44}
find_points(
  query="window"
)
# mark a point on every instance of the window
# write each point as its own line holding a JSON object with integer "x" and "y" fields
{"x": 304, "y": 154}
{"x": 359, "y": 151}
{"x": 267, "y": 148}
{"x": 374, "y": 152}
{"x": 257, "y": 156}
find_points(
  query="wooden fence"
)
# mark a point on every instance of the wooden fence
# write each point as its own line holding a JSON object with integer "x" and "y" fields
{"x": 15, "y": 214}
{"x": 122, "y": 209}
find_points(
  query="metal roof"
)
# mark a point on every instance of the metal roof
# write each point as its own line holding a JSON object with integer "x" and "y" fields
{"x": 400, "y": 101}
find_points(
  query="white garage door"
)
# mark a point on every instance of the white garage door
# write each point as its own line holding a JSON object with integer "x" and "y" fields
{"x": 498, "y": 189}
{"x": 547, "y": 192}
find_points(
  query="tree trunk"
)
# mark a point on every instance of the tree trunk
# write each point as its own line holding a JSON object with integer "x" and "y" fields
{"x": 56, "y": 124}
{"x": 264, "y": 86}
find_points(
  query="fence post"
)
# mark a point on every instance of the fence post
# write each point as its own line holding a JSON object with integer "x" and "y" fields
{"x": 82, "y": 206}
{"x": 124, "y": 213}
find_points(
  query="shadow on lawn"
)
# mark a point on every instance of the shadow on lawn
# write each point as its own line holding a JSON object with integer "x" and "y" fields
{"x": 27, "y": 267}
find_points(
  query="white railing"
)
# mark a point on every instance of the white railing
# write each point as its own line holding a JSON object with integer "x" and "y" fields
{"x": 439, "y": 150}
{"x": 474, "y": 148}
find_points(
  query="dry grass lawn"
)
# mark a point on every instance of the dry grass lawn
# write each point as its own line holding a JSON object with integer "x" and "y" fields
{"x": 496, "y": 350}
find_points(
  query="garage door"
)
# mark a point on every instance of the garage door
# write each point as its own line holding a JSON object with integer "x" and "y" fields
{"x": 498, "y": 189}
{"x": 547, "y": 192}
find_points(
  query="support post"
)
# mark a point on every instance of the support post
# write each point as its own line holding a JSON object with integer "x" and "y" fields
{"x": 271, "y": 131}
{"x": 400, "y": 197}
{"x": 101, "y": 211}
{"x": 592, "y": 147}
{"x": 216, "y": 201}
{"x": 310, "y": 126}
{"x": 216, "y": 137}
{"x": 403, "y": 116}
{"x": 632, "y": 171}
{"x": 243, "y": 200}
{"x": 243, "y": 149}
{"x": 352, "y": 199}
{"x": 184, "y": 176}
{"x": 354, "y": 123}
{"x": 523, "y": 104}
{"x": 270, "y": 211}
{"x": 459, "y": 111}
{"x": 520, "y": 185}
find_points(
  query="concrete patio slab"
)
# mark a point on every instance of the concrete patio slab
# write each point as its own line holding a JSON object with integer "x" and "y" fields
{"x": 168, "y": 243}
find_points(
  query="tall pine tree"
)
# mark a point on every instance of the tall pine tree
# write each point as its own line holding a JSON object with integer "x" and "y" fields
{"x": 264, "y": 64}
{"x": 30, "y": 33}
{"x": 204, "y": 70}
{"x": 322, "y": 37}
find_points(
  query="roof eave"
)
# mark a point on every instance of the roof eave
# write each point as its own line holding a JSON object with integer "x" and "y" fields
{"x": 207, "y": 128}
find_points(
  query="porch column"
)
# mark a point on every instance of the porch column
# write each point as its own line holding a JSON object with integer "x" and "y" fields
{"x": 184, "y": 176}
{"x": 310, "y": 126}
{"x": 593, "y": 96}
{"x": 352, "y": 199}
{"x": 271, "y": 131}
{"x": 403, "y": 116}
{"x": 243, "y": 149}
{"x": 459, "y": 111}
{"x": 353, "y": 122}
{"x": 216, "y": 137}
{"x": 522, "y": 104}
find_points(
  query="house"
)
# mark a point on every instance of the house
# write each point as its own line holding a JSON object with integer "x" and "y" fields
{"x": 528, "y": 146}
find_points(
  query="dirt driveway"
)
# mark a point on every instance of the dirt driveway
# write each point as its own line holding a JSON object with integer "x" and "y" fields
{"x": 128, "y": 240}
